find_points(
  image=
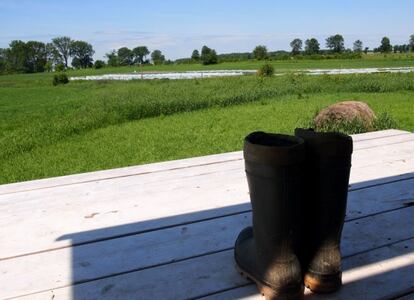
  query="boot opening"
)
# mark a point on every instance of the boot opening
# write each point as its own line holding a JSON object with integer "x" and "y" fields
{"x": 272, "y": 140}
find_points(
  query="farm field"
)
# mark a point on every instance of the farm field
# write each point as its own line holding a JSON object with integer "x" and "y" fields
{"x": 85, "y": 126}
{"x": 281, "y": 66}
{"x": 391, "y": 60}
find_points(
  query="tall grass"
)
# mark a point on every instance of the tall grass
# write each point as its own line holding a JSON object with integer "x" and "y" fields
{"x": 202, "y": 132}
{"x": 37, "y": 114}
{"x": 356, "y": 125}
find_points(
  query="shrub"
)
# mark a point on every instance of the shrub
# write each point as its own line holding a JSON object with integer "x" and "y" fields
{"x": 267, "y": 70}
{"x": 61, "y": 78}
{"x": 59, "y": 67}
{"x": 99, "y": 64}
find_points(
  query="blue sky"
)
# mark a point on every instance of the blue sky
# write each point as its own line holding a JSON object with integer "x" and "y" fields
{"x": 176, "y": 27}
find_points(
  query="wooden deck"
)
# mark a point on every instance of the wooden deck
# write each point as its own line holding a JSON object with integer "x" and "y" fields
{"x": 166, "y": 230}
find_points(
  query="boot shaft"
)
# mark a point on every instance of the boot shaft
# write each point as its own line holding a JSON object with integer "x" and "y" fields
{"x": 274, "y": 169}
{"x": 328, "y": 164}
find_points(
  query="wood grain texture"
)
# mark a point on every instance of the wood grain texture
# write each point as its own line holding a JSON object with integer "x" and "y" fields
{"x": 368, "y": 275}
{"x": 134, "y": 254}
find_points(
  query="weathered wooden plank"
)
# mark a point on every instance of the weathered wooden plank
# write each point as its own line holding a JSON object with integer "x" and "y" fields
{"x": 380, "y": 163}
{"x": 367, "y": 201}
{"x": 66, "y": 266}
{"x": 366, "y": 140}
{"x": 44, "y": 218}
{"x": 380, "y": 142}
{"x": 40, "y": 217}
{"x": 120, "y": 172}
{"x": 383, "y": 273}
{"x": 377, "y": 134}
{"x": 215, "y": 272}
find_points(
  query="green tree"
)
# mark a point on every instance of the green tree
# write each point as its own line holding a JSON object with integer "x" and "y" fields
{"x": 36, "y": 56}
{"x": 312, "y": 46}
{"x": 208, "y": 56}
{"x": 125, "y": 56}
{"x": 385, "y": 45}
{"x": 336, "y": 43}
{"x": 76, "y": 63}
{"x": 366, "y": 50}
{"x": 296, "y": 46}
{"x": 140, "y": 54}
{"x": 157, "y": 57}
{"x": 195, "y": 55}
{"x": 63, "y": 45}
{"x": 112, "y": 57}
{"x": 411, "y": 42}
{"x": 2, "y": 60}
{"x": 99, "y": 64}
{"x": 83, "y": 52}
{"x": 396, "y": 48}
{"x": 358, "y": 45}
{"x": 16, "y": 56}
{"x": 260, "y": 52}
{"x": 53, "y": 54}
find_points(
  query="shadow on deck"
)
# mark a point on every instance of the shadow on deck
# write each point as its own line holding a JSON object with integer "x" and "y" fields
{"x": 190, "y": 256}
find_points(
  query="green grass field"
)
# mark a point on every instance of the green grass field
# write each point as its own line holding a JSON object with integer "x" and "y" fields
{"x": 281, "y": 66}
{"x": 84, "y": 126}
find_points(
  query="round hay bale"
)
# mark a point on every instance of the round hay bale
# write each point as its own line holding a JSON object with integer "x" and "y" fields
{"x": 345, "y": 112}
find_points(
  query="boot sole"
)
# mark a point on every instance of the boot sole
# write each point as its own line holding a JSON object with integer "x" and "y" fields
{"x": 267, "y": 291}
{"x": 323, "y": 284}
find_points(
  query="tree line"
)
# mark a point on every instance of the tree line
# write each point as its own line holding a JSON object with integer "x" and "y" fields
{"x": 35, "y": 56}
{"x": 335, "y": 44}
{"x": 63, "y": 52}
{"x": 310, "y": 48}
{"x": 136, "y": 56}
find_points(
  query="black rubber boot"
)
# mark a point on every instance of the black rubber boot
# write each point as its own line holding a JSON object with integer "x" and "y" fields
{"x": 265, "y": 252}
{"x": 327, "y": 176}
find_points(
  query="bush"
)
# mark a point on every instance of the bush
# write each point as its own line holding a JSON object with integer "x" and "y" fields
{"x": 60, "y": 79}
{"x": 267, "y": 70}
{"x": 59, "y": 67}
{"x": 99, "y": 64}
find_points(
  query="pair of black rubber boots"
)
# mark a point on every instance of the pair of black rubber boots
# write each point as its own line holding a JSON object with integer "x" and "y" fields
{"x": 298, "y": 190}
